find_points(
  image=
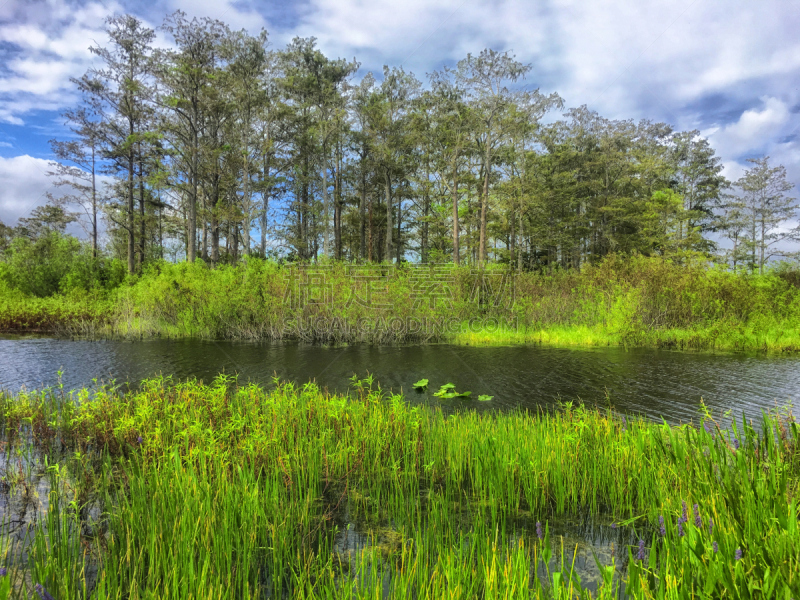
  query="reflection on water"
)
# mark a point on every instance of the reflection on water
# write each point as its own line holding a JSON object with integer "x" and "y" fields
{"x": 656, "y": 383}
{"x": 581, "y": 541}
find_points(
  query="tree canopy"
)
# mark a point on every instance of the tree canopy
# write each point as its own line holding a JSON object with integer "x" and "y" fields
{"x": 222, "y": 147}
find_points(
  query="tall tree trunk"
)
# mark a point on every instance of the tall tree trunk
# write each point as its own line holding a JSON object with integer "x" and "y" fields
{"x": 371, "y": 232}
{"x": 512, "y": 241}
{"x": 399, "y": 229}
{"x": 267, "y": 192}
{"x": 484, "y": 208}
{"x": 426, "y": 205}
{"x": 141, "y": 212}
{"x": 246, "y": 216}
{"x": 160, "y": 228}
{"x": 389, "y": 230}
{"x": 337, "y": 204}
{"x": 762, "y": 245}
{"x": 235, "y": 243}
{"x": 131, "y": 242}
{"x": 469, "y": 253}
{"x": 247, "y": 209}
{"x": 192, "y": 225}
{"x": 264, "y": 223}
{"x": 519, "y": 253}
{"x": 94, "y": 206}
{"x": 325, "y": 208}
{"x": 456, "y": 253}
{"x": 204, "y": 244}
{"x": 362, "y": 211}
{"x": 215, "y": 226}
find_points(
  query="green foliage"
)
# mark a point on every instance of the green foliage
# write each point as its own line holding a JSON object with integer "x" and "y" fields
{"x": 224, "y": 490}
{"x": 634, "y": 301}
{"x": 54, "y": 262}
{"x": 448, "y": 390}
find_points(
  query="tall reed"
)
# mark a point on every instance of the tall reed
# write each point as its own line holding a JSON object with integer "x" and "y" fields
{"x": 228, "y": 491}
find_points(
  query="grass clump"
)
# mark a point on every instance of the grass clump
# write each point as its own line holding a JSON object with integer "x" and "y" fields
{"x": 631, "y": 301}
{"x": 185, "y": 490}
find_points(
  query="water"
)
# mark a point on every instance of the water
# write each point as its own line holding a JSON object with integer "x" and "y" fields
{"x": 655, "y": 383}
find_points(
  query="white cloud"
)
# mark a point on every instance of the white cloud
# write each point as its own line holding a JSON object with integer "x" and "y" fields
{"x": 732, "y": 170}
{"x": 25, "y": 183}
{"x": 422, "y": 35}
{"x": 46, "y": 43}
{"x": 232, "y": 13}
{"x": 754, "y": 129}
{"x": 624, "y": 58}
{"x": 6, "y": 145}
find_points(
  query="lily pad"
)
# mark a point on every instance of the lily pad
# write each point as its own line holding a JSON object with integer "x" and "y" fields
{"x": 421, "y": 384}
{"x": 448, "y": 390}
{"x": 484, "y": 398}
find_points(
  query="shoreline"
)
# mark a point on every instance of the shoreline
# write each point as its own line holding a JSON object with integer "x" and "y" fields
{"x": 577, "y": 337}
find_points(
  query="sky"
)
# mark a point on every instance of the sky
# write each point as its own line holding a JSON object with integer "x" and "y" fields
{"x": 728, "y": 69}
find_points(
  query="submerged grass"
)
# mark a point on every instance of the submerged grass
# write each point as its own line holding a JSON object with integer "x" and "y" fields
{"x": 631, "y": 301}
{"x": 185, "y": 490}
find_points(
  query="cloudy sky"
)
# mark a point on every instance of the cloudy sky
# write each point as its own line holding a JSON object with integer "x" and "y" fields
{"x": 730, "y": 69}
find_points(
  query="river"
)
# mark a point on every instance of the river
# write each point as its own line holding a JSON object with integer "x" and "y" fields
{"x": 654, "y": 383}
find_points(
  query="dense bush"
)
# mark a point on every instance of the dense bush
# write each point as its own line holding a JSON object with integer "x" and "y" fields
{"x": 633, "y": 300}
{"x": 55, "y": 262}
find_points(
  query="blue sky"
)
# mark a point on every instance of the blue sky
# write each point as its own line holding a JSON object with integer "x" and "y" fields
{"x": 730, "y": 69}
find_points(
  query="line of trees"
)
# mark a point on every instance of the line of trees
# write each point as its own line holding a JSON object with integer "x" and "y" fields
{"x": 220, "y": 139}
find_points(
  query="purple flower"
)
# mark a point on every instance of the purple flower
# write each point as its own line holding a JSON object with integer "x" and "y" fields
{"x": 3, "y": 572}
{"x": 735, "y": 444}
{"x": 140, "y": 440}
{"x": 613, "y": 526}
{"x": 539, "y": 533}
{"x": 715, "y": 546}
{"x": 661, "y": 529}
{"x": 698, "y": 522}
{"x": 684, "y": 513}
{"x": 738, "y": 555}
{"x": 680, "y": 529}
{"x": 43, "y": 593}
{"x": 640, "y": 555}
{"x": 711, "y": 527}
{"x": 708, "y": 427}
{"x": 624, "y": 423}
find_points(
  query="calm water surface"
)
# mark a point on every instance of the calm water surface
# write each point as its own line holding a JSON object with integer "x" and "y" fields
{"x": 656, "y": 383}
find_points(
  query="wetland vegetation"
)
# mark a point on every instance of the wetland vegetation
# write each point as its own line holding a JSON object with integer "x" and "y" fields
{"x": 185, "y": 490}
{"x": 631, "y": 301}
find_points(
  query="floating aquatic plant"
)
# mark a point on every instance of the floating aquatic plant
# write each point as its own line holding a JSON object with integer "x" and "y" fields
{"x": 448, "y": 390}
{"x": 422, "y": 384}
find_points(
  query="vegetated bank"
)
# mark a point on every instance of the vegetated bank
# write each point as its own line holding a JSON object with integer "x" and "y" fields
{"x": 633, "y": 301}
{"x": 185, "y": 490}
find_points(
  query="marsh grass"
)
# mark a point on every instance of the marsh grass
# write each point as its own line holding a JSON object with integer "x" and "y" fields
{"x": 185, "y": 490}
{"x": 631, "y": 301}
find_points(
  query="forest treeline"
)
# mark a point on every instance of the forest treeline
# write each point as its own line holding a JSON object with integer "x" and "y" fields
{"x": 211, "y": 144}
